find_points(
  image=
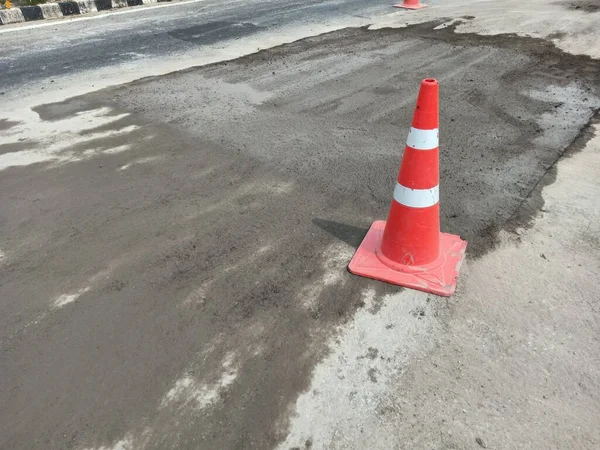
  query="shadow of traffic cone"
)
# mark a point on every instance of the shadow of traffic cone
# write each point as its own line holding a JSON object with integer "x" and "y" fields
{"x": 410, "y": 4}
{"x": 409, "y": 250}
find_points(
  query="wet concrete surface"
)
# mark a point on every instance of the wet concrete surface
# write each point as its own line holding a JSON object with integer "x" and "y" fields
{"x": 178, "y": 291}
{"x": 500, "y": 96}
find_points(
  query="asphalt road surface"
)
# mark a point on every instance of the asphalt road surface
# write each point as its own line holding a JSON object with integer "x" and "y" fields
{"x": 61, "y": 48}
{"x": 174, "y": 249}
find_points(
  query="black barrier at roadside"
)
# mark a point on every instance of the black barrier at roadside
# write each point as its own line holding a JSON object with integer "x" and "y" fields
{"x": 69, "y": 8}
{"x": 32, "y": 13}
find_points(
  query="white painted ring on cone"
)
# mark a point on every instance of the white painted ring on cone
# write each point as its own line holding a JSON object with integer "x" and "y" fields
{"x": 416, "y": 198}
{"x": 423, "y": 139}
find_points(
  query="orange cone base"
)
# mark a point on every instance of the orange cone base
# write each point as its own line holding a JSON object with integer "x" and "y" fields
{"x": 437, "y": 278}
{"x": 417, "y": 6}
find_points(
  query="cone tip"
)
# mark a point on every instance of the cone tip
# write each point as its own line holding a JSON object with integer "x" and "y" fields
{"x": 429, "y": 82}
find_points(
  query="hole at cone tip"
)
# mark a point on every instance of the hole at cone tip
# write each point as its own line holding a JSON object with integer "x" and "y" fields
{"x": 430, "y": 80}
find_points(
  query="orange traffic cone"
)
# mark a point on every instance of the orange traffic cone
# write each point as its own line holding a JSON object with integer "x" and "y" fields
{"x": 410, "y": 4}
{"x": 409, "y": 250}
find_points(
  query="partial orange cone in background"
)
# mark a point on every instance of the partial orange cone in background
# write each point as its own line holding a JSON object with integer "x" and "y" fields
{"x": 409, "y": 250}
{"x": 410, "y": 4}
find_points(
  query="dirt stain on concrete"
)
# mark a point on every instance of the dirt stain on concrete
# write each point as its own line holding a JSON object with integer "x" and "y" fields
{"x": 590, "y": 6}
{"x": 6, "y": 124}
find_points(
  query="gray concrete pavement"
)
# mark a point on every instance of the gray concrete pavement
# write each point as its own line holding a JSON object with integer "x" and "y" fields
{"x": 173, "y": 253}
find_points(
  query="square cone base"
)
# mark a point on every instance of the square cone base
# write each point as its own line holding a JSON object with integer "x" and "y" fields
{"x": 417, "y": 6}
{"x": 437, "y": 278}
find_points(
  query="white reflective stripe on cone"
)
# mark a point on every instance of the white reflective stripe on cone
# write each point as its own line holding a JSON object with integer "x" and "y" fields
{"x": 416, "y": 198}
{"x": 422, "y": 139}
